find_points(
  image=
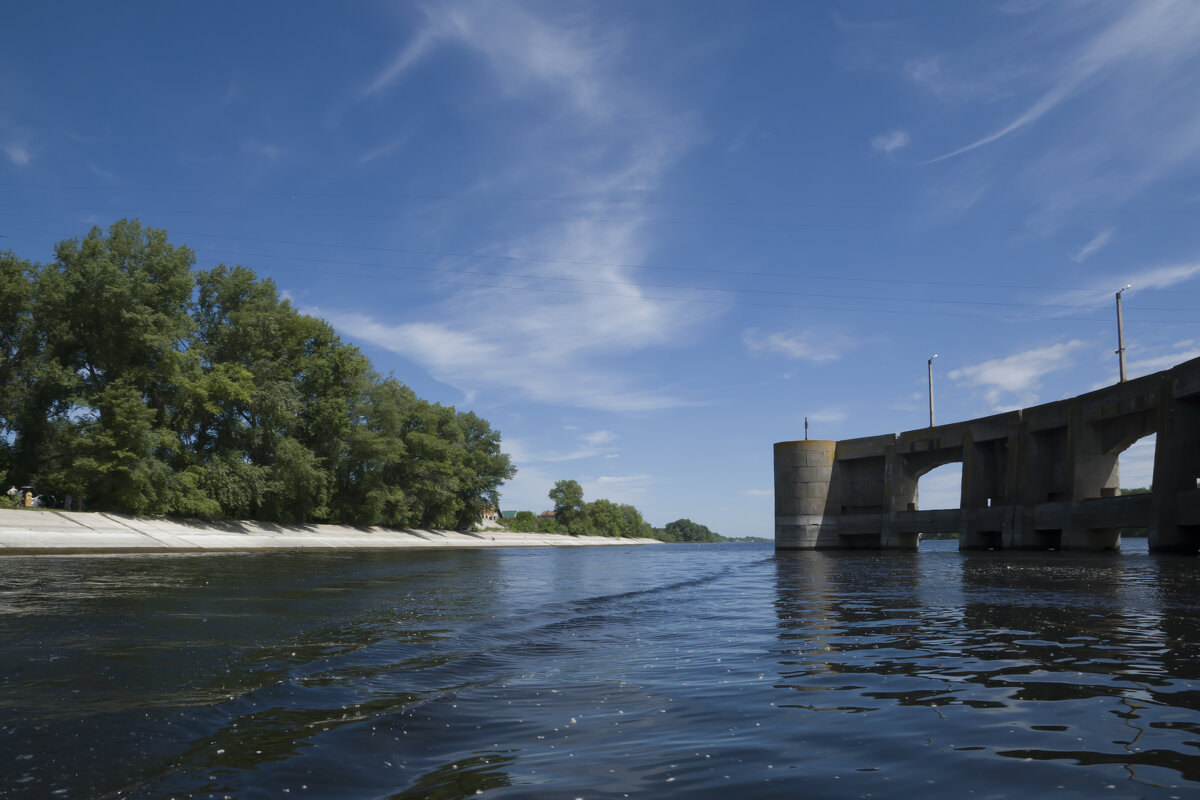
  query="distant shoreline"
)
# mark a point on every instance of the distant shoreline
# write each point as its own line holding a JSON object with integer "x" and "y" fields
{"x": 51, "y": 532}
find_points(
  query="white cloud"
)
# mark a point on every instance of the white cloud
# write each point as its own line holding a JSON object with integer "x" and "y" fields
{"x": 925, "y": 71}
{"x": 1103, "y": 290}
{"x": 380, "y": 152}
{"x": 889, "y": 142}
{"x": 599, "y": 437}
{"x": 103, "y": 174}
{"x": 526, "y": 52}
{"x": 1018, "y": 375}
{"x": 18, "y": 153}
{"x": 827, "y": 415}
{"x": 271, "y": 152}
{"x": 1164, "y": 277}
{"x": 409, "y": 55}
{"x": 560, "y": 341}
{"x": 1093, "y": 246}
{"x": 1145, "y": 365}
{"x": 591, "y": 445}
{"x": 617, "y": 488}
{"x": 609, "y": 480}
{"x": 1135, "y": 42}
{"x": 816, "y": 347}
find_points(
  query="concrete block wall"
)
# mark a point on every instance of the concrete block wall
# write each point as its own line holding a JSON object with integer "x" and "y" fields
{"x": 1031, "y": 478}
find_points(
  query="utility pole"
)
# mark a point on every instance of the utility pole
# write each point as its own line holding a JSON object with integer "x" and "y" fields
{"x": 1121, "y": 334}
{"x": 931, "y": 358}
{"x": 806, "y": 429}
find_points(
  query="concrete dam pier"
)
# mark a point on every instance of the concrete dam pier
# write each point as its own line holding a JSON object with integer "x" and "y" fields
{"x": 1038, "y": 478}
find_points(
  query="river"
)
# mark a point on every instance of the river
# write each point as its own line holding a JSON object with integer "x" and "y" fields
{"x": 670, "y": 671}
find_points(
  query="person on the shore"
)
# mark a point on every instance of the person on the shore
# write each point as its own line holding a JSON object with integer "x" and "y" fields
{"x": 29, "y": 499}
{"x": 67, "y": 504}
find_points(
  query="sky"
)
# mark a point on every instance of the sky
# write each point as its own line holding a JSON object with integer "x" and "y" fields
{"x": 647, "y": 240}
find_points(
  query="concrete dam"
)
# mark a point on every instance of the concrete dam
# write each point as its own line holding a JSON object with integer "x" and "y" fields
{"x": 1038, "y": 478}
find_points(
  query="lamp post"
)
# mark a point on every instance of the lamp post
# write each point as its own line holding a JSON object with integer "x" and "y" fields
{"x": 1121, "y": 334}
{"x": 931, "y": 358}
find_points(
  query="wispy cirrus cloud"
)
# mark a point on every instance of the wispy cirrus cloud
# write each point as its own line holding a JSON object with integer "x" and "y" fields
{"x": 18, "y": 153}
{"x": 1103, "y": 288}
{"x": 438, "y": 29}
{"x": 262, "y": 150}
{"x": 526, "y": 52}
{"x": 828, "y": 415}
{"x": 1015, "y": 380}
{"x": 1115, "y": 49}
{"x": 890, "y": 142}
{"x": 1094, "y": 245}
{"x": 1144, "y": 361}
{"x": 381, "y": 151}
{"x": 590, "y": 445}
{"x": 597, "y": 438}
{"x": 816, "y": 347}
{"x": 565, "y": 337}
{"x": 618, "y": 488}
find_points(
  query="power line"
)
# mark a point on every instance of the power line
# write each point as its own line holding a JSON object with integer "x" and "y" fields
{"x": 607, "y": 198}
{"x": 624, "y": 265}
{"x": 707, "y": 222}
{"x": 739, "y": 290}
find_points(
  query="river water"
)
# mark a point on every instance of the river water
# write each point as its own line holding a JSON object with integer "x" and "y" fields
{"x": 671, "y": 671}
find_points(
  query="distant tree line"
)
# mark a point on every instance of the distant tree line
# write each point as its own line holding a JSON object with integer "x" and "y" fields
{"x": 132, "y": 379}
{"x": 602, "y": 517}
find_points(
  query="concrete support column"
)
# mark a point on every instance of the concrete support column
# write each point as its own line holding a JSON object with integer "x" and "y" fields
{"x": 900, "y": 494}
{"x": 1092, "y": 473}
{"x": 1176, "y": 469}
{"x": 803, "y": 471}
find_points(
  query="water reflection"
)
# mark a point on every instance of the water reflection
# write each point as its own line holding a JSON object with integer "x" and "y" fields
{"x": 677, "y": 671}
{"x": 1081, "y": 660}
{"x": 467, "y": 777}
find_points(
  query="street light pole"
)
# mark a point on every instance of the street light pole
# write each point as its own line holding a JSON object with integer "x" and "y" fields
{"x": 1121, "y": 334}
{"x": 931, "y": 389}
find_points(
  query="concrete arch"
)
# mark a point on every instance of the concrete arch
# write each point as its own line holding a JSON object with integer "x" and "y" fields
{"x": 1041, "y": 477}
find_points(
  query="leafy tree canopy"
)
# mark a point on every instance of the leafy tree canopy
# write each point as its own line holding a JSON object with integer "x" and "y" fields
{"x": 684, "y": 530}
{"x": 132, "y": 379}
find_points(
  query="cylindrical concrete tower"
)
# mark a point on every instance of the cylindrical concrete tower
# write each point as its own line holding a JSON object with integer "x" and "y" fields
{"x": 802, "y": 474}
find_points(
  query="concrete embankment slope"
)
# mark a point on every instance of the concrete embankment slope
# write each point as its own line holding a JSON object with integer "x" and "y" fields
{"x": 41, "y": 531}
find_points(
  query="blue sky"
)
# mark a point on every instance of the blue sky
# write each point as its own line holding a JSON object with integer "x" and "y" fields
{"x": 645, "y": 240}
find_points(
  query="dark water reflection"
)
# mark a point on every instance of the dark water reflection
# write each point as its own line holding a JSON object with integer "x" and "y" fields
{"x": 1057, "y": 662}
{"x": 667, "y": 671}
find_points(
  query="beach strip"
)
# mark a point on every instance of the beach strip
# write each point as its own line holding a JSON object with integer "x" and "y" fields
{"x": 50, "y": 532}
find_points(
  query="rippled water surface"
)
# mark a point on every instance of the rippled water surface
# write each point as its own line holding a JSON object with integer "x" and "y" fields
{"x": 680, "y": 670}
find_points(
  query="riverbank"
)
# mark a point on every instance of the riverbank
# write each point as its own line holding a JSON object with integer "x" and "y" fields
{"x": 45, "y": 532}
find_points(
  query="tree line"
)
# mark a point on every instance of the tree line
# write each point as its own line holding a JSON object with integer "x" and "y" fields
{"x": 132, "y": 379}
{"x": 603, "y": 517}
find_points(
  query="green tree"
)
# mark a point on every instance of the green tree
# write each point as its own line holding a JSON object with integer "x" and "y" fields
{"x": 16, "y": 292}
{"x": 130, "y": 379}
{"x": 370, "y": 475}
{"x": 684, "y": 530}
{"x": 606, "y": 518}
{"x": 110, "y": 326}
{"x": 524, "y": 522}
{"x": 482, "y": 467}
{"x": 567, "y": 497}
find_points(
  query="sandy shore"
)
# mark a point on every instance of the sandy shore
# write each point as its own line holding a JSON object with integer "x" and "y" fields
{"x": 41, "y": 532}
